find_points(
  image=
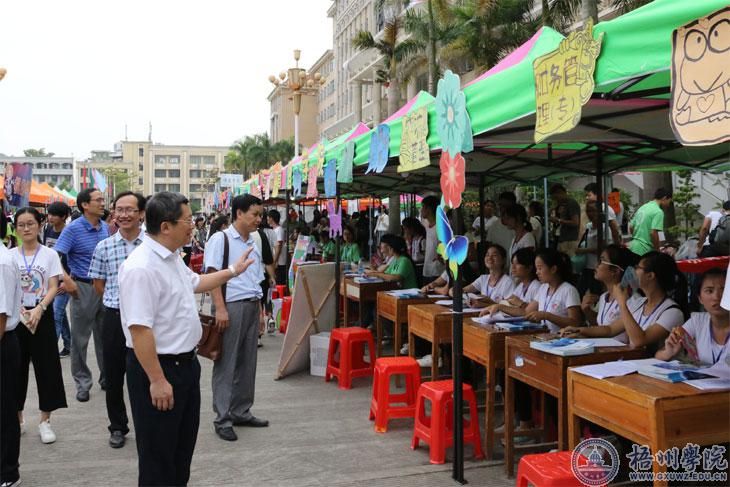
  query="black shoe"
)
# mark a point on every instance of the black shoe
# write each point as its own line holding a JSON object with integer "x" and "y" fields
{"x": 254, "y": 422}
{"x": 117, "y": 439}
{"x": 64, "y": 353}
{"x": 82, "y": 396}
{"x": 226, "y": 433}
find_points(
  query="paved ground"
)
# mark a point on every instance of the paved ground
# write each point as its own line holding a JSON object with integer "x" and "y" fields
{"x": 319, "y": 436}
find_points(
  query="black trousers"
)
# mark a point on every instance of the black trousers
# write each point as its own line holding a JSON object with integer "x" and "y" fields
{"x": 165, "y": 439}
{"x": 9, "y": 424}
{"x": 281, "y": 274}
{"x": 115, "y": 366}
{"x": 41, "y": 349}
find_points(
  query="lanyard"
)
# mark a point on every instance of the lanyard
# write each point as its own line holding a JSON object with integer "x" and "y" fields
{"x": 606, "y": 309}
{"x": 715, "y": 359}
{"x": 549, "y": 297}
{"x": 648, "y": 317}
{"x": 525, "y": 289}
{"x": 28, "y": 268}
{"x": 490, "y": 289}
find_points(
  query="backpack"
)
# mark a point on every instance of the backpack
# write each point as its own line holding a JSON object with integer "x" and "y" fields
{"x": 720, "y": 236}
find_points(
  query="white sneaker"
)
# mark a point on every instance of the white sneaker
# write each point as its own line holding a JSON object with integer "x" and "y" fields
{"x": 427, "y": 361}
{"x": 47, "y": 434}
{"x": 404, "y": 349}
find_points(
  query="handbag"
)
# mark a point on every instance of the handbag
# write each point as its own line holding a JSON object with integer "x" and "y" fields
{"x": 210, "y": 342}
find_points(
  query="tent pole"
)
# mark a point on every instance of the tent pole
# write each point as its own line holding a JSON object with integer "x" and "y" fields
{"x": 370, "y": 232}
{"x": 457, "y": 344}
{"x": 338, "y": 272}
{"x": 546, "y": 200}
{"x": 286, "y": 227}
{"x": 482, "y": 231}
{"x": 599, "y": 204}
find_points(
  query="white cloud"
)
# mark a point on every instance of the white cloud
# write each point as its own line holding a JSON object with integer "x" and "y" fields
{"x": 78, "y": 70}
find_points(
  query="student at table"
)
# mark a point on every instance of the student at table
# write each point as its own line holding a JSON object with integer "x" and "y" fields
{"x": 704, "y": 337}
{"x": 523, "y": 272}
{"x": 327, "y": 245}
{"x": 649, "y": 320}
{"x": 439, "y": 286}
{"x": 350, "y": 252}
{"x": 400, "y": 267}
{"x": 496, "y": 285}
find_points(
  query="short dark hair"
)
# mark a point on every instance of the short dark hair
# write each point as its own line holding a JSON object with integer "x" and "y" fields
{"x": 275, "y": 215}
{"x": 141, "y": 200}
{"x": 430, "y": 202}
{"x": 243, "y": 202}
{"x": 106, "y": 214}
{"x": 557, "y": 188}
{"x": 163, "y": 207}
{"x": 30, "y": 210}
{"x": 726, "y": 205}
{"x": 591, "y": 188}
{"x": 507, "y": 196}
{"x": 486, "y": 202}
{"x": 59, "y": 208}
{"x": 84, "y": 196}
{"x": 662, "y": 193}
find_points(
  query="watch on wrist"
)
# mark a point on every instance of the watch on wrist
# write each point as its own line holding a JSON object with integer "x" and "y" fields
{"x": 43, "y": 306}
{"x": 233, "y": 270}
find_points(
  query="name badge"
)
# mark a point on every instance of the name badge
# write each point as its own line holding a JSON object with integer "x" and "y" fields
{"x": 30, "y": 300}
{"x": 519, "y": 361}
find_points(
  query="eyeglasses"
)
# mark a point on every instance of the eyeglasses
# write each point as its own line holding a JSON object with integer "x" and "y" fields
{"x": 98, "y": 200}
{"x": 126, "y": 211}
{"x": 611, "y": 265}
{"x": 23, "y": 226}
{"x": 188, "y": 221}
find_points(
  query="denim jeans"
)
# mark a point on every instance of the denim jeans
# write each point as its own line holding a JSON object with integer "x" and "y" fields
{"x": 59, "y": 313}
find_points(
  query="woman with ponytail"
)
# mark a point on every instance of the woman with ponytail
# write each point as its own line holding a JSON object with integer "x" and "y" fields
{"x": 515, "y": 218}
{"x": 400, "y": 266}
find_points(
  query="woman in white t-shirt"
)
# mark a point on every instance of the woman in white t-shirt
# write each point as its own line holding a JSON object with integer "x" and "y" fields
{"x": 604, "y": 309}
{"x": 40, "y": 268}
{"x": 646, "y": 321}
{"x": 515, "y": 218}
{"x": 704, "y": 337}
{"x": 494, "y": 286}
{"x": 523, "y": 273}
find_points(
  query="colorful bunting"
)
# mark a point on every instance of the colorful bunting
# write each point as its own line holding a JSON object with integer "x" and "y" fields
{"x": 330, "y": 178}
{"x": 312, "y": 191}
{"x": 297, "y": 181}
{"x": 379, "y": 146}
{"x": 344, "y": 173}
{"x": 335, "y": 218}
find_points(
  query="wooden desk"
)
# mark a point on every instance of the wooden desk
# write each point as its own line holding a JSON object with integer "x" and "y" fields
{"x": 431, "y": 322}
{"x": 547, "y": 373}
{"x": 648, "y": 411}
{"x": 484, "y": 344}
{"x": 361, "y": 293}
{"x": 394, "y": 309}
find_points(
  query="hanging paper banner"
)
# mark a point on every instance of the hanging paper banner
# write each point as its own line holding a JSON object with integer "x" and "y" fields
{"x": 289, "y": 173}
{"x": 379, "y": 146}
{"x": 453, "y": 178}
{"x": 246, "y": 188}
{"x": 275, "y": 180}
{"x": 414, "y": 152}
{"x": 320, "y": 158}
{"x": 700, "y": 113}
{"x": 312, "y": 182}
{"x": 344, "y": 172}
{"x": 256, "y": 190}
{"x": 452, "y": 248}
{"x": 266, "y": 183}
{"x": 453, "y": 122}
{"x": 335, "y": 217}
{"x": 330, "y": 178}
{"x": 17, "y": 184}
{"x": 296, "y": 181}
{"x": 564, "y": 82}
{"x": 285, "y": 181}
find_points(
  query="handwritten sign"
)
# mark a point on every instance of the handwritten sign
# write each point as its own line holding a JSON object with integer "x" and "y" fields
{"x": 564, "y": 82}
{"x": 312, "y": 191}
{"x": 344, "y": 173}
{"x": 700, "y": 113}
{"x": 330, "y": 178}
{"x": 379, "y": 147}
{"x": 275, "y": 180}
{"x": 296, "y": 180}
{"x": 414, "y": 152}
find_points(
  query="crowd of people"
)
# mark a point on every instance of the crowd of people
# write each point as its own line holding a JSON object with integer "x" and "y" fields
{"x": 123, "y": 277}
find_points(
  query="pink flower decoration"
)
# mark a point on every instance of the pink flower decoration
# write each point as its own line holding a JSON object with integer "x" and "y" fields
{"x": 453, "y": 178}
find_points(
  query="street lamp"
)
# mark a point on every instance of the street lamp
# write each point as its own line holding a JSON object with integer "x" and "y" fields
{"x": 300, "y": 83}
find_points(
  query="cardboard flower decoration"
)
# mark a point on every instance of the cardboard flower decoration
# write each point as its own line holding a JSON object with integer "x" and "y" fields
{"x": 453, "y": 178}
{"x": 453, "y": 123}
{"x": 312, "y": 191}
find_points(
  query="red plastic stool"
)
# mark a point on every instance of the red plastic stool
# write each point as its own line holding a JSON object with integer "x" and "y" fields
{"x": 285, "y": 312}
{"x": 382, "y": 405}
{"x": 437, "y": 430}
{"x": 548, "y": 470}
{"x": 281, "y": 290}
{"x": 350, "y": 342}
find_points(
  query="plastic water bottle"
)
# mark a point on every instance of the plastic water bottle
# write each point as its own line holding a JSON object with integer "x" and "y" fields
{"x": 360, "y": 268}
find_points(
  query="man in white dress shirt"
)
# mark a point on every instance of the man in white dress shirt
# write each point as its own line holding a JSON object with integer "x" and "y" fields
{"x": 162, "y": 329}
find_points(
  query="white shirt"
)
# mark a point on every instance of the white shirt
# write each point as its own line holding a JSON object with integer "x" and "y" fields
{"x": 431, "y": 266}
{"x": 281, "y": 237}
{"x": 714, "y": 217}
{"x": 44, "y": 265}
{"x": 527, "y": 241}
{"x": 709, "y": 351}
{"x": 502, "y": 290}
{"x": 500, "y": 234}
{"x": 592, "y": 242}
{"x": 536, "y": 229}
{"x": 667, "y": 315}
{"x": 382, "y": 225}
{"x": 10, "y": 294}
{"x": 156, "y": 290}
{"x": 557, "y": 303}
{"x": 487, "y": 223}
{"x": 527, "y": 295}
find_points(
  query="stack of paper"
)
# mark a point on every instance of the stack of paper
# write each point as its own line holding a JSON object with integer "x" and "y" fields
{"x": 565, "y": 347}
{"x": 614, "y": 369}
{"x": 406, "y": 293}
{"x": 675, "y": 371}
{"x": 604, "y": 342}
{"x": 361, "y": 280}
{"x": 518, "y": 325}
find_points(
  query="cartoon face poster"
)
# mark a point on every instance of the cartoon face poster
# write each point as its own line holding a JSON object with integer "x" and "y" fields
{"x": 700, "y": 113}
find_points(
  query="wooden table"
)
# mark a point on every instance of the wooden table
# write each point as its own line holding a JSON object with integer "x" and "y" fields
{"x": 547, "y": 373}
{"x": 362, "y": 293}
{"x": 648, "y": 411}
{"x": 431, "y": 322}
{"x": 484, "y": 344}
{"x": 395, "y": 309}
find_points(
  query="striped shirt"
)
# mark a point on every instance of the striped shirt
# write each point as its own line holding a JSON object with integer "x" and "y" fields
{"x": 78, "y": 241}
{"x": 108, "y": 257}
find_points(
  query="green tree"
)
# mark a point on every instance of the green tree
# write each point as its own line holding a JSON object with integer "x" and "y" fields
{"x": 685, "y": 209}
{"x": 38, "y": 153}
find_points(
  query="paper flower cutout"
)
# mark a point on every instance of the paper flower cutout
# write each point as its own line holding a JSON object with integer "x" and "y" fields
{"x": 335, "y": 219}
{"x": 414, "y": 153}
{"x": 330, "y": 178}
{"x": 453, "y": 178}
{"x": 453, "y": 123}
{"x": 312, "y": 182}
{"x": 379, "y": 145}
{"x": 296, "y": 181}
{"x": 344, "y": 173}
{"x": 452, "y": 248}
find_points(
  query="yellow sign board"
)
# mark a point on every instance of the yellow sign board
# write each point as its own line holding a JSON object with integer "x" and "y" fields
{"x": 564, "y": 82}
{"x": 414, "y": 152}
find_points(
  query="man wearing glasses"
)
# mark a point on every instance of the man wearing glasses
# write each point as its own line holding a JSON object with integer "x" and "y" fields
{"x": 76, "y": 247}
{"x": 108, "y": 257}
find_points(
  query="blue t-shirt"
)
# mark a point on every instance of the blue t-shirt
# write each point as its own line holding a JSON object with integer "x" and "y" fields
{"x": 78, "y": 241}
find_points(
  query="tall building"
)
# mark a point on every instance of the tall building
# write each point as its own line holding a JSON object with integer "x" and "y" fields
{"x": 52, "y": 170}
{"x": 325, "y": 66}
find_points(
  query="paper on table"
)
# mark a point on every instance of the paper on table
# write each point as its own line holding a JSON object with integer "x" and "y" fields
{"x": 444, "y": 302}
{"x": 405, "y": 291}
{"x": 710, "y": 384}
{"x": 434, "y": 296}
{"x": 614, "y": 369}
{"x": 604, "y": 342}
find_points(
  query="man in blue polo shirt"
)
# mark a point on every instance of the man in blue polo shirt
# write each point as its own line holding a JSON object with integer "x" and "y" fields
{"x": 76, "y": 246}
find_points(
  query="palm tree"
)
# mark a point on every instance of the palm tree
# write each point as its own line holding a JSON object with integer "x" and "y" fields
{"x": 561, "y": 13}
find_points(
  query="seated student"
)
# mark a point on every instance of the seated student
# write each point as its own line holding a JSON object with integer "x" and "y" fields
{"x": 609, "y": 272}
{"x": 557, "y": 303}
{"x": 327, "y": 245}
{"x": 350, "y": 249}
{"x": 495, "y": 285}
{"x": 646, "y": 321}
{"x": 400, "y": 267}
{"x": 523, "y": 272}
{"x": 440, "y": 285}
{"x": 709, "y": 331}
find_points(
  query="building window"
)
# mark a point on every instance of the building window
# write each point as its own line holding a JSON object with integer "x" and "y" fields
{"x": 160, "y": 173}
{"x": 196, "y": 188}
{"x": 141, "y": 167}
{"x": 175, "y": 188}
{"x": 160, "y": 160}
{"x": 67, "y": 166}
{"x": 195, "y": 173}
{"x": 141, "y": 181}
{"x": 173, "y": 173}
{"x": 141, "y": 152}
{"x": 195, "y": 160}
{"x": 160, "y": 187}
{"x": 173, "y": 160}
